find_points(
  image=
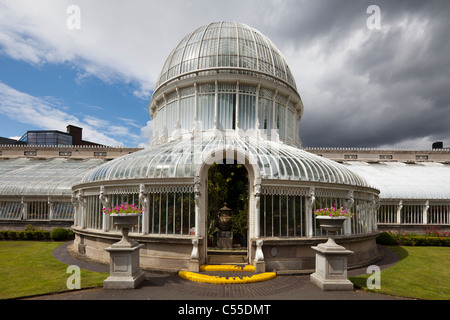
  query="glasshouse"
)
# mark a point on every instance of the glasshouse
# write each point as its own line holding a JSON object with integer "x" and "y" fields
{"x": 225, "y": 174}
{"x": 225, "y": 99}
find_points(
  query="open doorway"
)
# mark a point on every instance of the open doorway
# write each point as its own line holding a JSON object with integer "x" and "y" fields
{"x": 227, "y": 218}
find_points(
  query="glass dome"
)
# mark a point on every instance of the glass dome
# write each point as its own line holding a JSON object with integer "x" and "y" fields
{"x": 225, "y": 76}
{"x": 228, "y": 45}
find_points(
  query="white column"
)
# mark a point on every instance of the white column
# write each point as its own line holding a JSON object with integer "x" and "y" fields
{"x": 74, "y": 201}
{"x": 216, "y": 105}
{"x": 425, "y": 212}
{"x": 143, "y": 201}
{"x": 51, "y": 207}
{"x": 309, "y": 203}
{"x": 399, "y": 211}
{"x": 257, "y": 124}
{"x": 257, "y": 210}
{"x": 197, "y": 198}
{"x": 82, "y": 209}
{"x": 104, "y": 199}
{"x": 24, "y": 209}
{"x": 237, "y": 107}
{"x": 195, "y": 107}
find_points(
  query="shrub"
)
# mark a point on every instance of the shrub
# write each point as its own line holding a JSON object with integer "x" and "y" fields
{"x": 412, "y": 239}
{"x": 41, "y": 234}
{"x": 37, "y": 234}
{"x": 59, "y": 234}
{"x": 387, "y": 238}
{"x": 71, "y": 234}
{"x": 415, "y": 240}
{"x": 27, "y": 235}
{"x": 12, "y": 235}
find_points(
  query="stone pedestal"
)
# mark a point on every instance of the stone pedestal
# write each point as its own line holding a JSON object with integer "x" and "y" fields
{"x": 194, "y": 261}
{"x": 125, "y": 272}
{"x": 259, "y": 263}
{"x": 225, "y": 239}
{"x": 331, "y": 267}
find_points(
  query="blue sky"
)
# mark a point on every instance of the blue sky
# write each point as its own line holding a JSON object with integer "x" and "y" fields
{"x": 384, "y": 88}
{"x": 87, "y": 100}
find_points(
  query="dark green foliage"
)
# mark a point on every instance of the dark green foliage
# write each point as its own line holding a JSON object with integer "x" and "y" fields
{"x": 59, "y": 234}
{"x": 387, "y": 238}
{"x": 228, "y": 183}
{"x": 25, "y": 235}
{"x": 34, "y": 233}
{"x": 412, "y": 239}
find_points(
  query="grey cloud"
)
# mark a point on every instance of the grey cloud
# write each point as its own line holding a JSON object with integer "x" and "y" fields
{"x": 391, "y": 88}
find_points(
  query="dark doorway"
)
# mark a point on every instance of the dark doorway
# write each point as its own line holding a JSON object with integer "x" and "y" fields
{"x": 227, "y": 187}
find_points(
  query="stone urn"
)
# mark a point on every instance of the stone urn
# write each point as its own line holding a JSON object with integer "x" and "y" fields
{"x": 125, "y": 222}
{"x": 331, "y": 225}
{"x": 225, "y": 219}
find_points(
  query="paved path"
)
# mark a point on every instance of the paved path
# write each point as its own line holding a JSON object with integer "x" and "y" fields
{"x": 171, "y": 287}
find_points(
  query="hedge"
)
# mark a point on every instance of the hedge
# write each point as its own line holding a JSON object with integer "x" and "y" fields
{"x": 37, "y": 235}
{"x": 410, "y": 239}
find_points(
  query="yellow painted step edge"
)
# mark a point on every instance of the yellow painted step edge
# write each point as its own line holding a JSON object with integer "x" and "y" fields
{"x": 227, "y": 268}
{"x": 192, "y": 276}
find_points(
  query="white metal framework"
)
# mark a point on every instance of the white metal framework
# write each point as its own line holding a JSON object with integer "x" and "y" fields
{"x": 225, "y": 76}
{"x": 181, "y": 159}
{"x": 233, "y": 46}
{"x": 40, "y": 189}
{"x": 413, "y": 193}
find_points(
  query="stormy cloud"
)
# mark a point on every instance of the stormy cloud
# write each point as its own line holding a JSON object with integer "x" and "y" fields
{"x": 361, "y": 87}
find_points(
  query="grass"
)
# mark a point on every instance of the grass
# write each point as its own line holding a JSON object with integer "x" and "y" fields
{"x": 28, "y": 268}
{"x": 421, "y": 272}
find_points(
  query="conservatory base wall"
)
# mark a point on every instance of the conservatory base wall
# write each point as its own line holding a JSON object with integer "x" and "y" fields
{"x": 297, "y": 256}
{"x": 172, "y": 254}
{"x": 168, "y": 254}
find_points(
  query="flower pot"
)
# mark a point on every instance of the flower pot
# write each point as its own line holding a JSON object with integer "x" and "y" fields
{"x": 125, "y": 222}
{"x": 331, "y": 224}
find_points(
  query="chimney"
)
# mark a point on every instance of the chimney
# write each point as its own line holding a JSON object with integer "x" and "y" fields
{"x": 76, "y": 133}
{"x": 438, "y": 145}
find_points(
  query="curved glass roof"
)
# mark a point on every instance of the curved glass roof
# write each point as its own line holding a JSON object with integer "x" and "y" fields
{"x": 397, "y": 180}
{"x": 228, "y": 45}
{"x": 36, "y": 177}
{"x": 180, "y": 159}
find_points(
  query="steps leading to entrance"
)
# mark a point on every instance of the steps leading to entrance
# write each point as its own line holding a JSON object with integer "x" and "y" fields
{"x": 225, "y": 267}
{"x": 227, "y": 259}
{"x": 247, "y": 271}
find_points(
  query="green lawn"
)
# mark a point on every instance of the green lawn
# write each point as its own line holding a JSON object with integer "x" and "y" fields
{"x": 28, "y": 268}
{"x": 422, "y": 272}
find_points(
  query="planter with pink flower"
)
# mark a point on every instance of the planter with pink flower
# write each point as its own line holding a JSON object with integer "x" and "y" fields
{"x": 125, "y": 272}
{"x": 124, "y": 215}
{"x": 331, "y": 258}
{"x": 332, "y": 219}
